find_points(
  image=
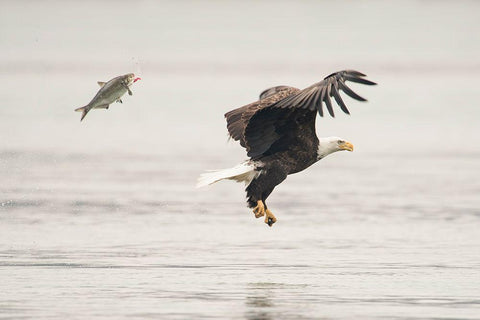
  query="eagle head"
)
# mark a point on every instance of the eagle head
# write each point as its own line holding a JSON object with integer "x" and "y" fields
{"x": 330, "y": 145}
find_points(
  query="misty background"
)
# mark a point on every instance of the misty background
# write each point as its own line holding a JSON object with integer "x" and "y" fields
{"x": 101, "y": 218}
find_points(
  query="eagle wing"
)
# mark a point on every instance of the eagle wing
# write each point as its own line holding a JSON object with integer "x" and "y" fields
{"x": 237, "y": 119}
{"x": 274, "y": 90}
{"x": 281, "y": 118}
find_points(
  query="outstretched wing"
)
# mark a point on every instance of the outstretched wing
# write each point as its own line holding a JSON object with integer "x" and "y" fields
{"x": 238, "y": 119}
{"x": 271, "y": 91}
{"x": 272, "y": 123}
{"x": 320, "y": 92}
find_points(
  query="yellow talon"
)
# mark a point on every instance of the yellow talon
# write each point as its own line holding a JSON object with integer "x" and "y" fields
{"x": 270, "y": 218}
{"x": 259, "y": 210}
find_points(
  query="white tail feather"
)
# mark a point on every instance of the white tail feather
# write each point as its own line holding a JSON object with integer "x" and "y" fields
{"x": 243, "y": 172}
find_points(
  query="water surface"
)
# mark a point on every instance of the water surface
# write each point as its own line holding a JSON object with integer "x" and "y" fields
{"x": 101, "y": 219}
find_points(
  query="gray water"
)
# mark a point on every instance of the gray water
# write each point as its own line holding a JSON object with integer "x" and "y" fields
{"x": 101, "y": 219}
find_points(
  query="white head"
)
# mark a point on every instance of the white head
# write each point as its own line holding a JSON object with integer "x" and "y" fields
{"x": 331, "y": 145}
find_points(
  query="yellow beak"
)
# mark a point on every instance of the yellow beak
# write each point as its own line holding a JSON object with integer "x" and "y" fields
{"x": 346, "y": 146}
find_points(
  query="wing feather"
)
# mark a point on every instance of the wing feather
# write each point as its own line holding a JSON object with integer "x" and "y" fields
{"x": 350, "y": 92}
{"x": 359, "y": 80}
{"x": 338, "y": 99}
{"x": 328, "y": 102}
{"x": 238, "y": 119}
{"x": 312, "y": 100}
{"x": 268, "y": 121}
{"x": 328, "y": 87}
{"x": 320, "y": 106}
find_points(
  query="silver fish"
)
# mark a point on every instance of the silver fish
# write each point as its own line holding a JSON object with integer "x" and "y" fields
{"x": 110, "y": 92}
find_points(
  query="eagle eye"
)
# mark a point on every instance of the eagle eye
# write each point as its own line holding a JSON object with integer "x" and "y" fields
{"x": 340, "y": 141}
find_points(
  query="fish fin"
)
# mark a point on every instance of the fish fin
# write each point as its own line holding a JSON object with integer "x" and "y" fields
{"x": 84, "y": 111}
{"x": 102, "y": 106}
{"x": 101, "y": 83}
{"x": 130, "y": 91}
{"x": 119, "y": 100}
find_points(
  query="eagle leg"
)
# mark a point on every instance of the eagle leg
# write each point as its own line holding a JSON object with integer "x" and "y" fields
{"x": 259, "y": 210}
{"x": 270, "y": 218}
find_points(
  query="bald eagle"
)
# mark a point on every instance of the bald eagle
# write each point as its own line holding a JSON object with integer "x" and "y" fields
{"x": 278, "y": 132}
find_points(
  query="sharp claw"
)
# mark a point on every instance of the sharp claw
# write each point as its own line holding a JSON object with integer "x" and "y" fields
{"x": 259, "y": 210}
{"x": 259, "y": 215}
{"x": 270, "y": 218}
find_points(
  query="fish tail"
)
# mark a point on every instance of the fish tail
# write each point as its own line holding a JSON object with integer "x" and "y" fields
{"x": 84, "y": 111}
